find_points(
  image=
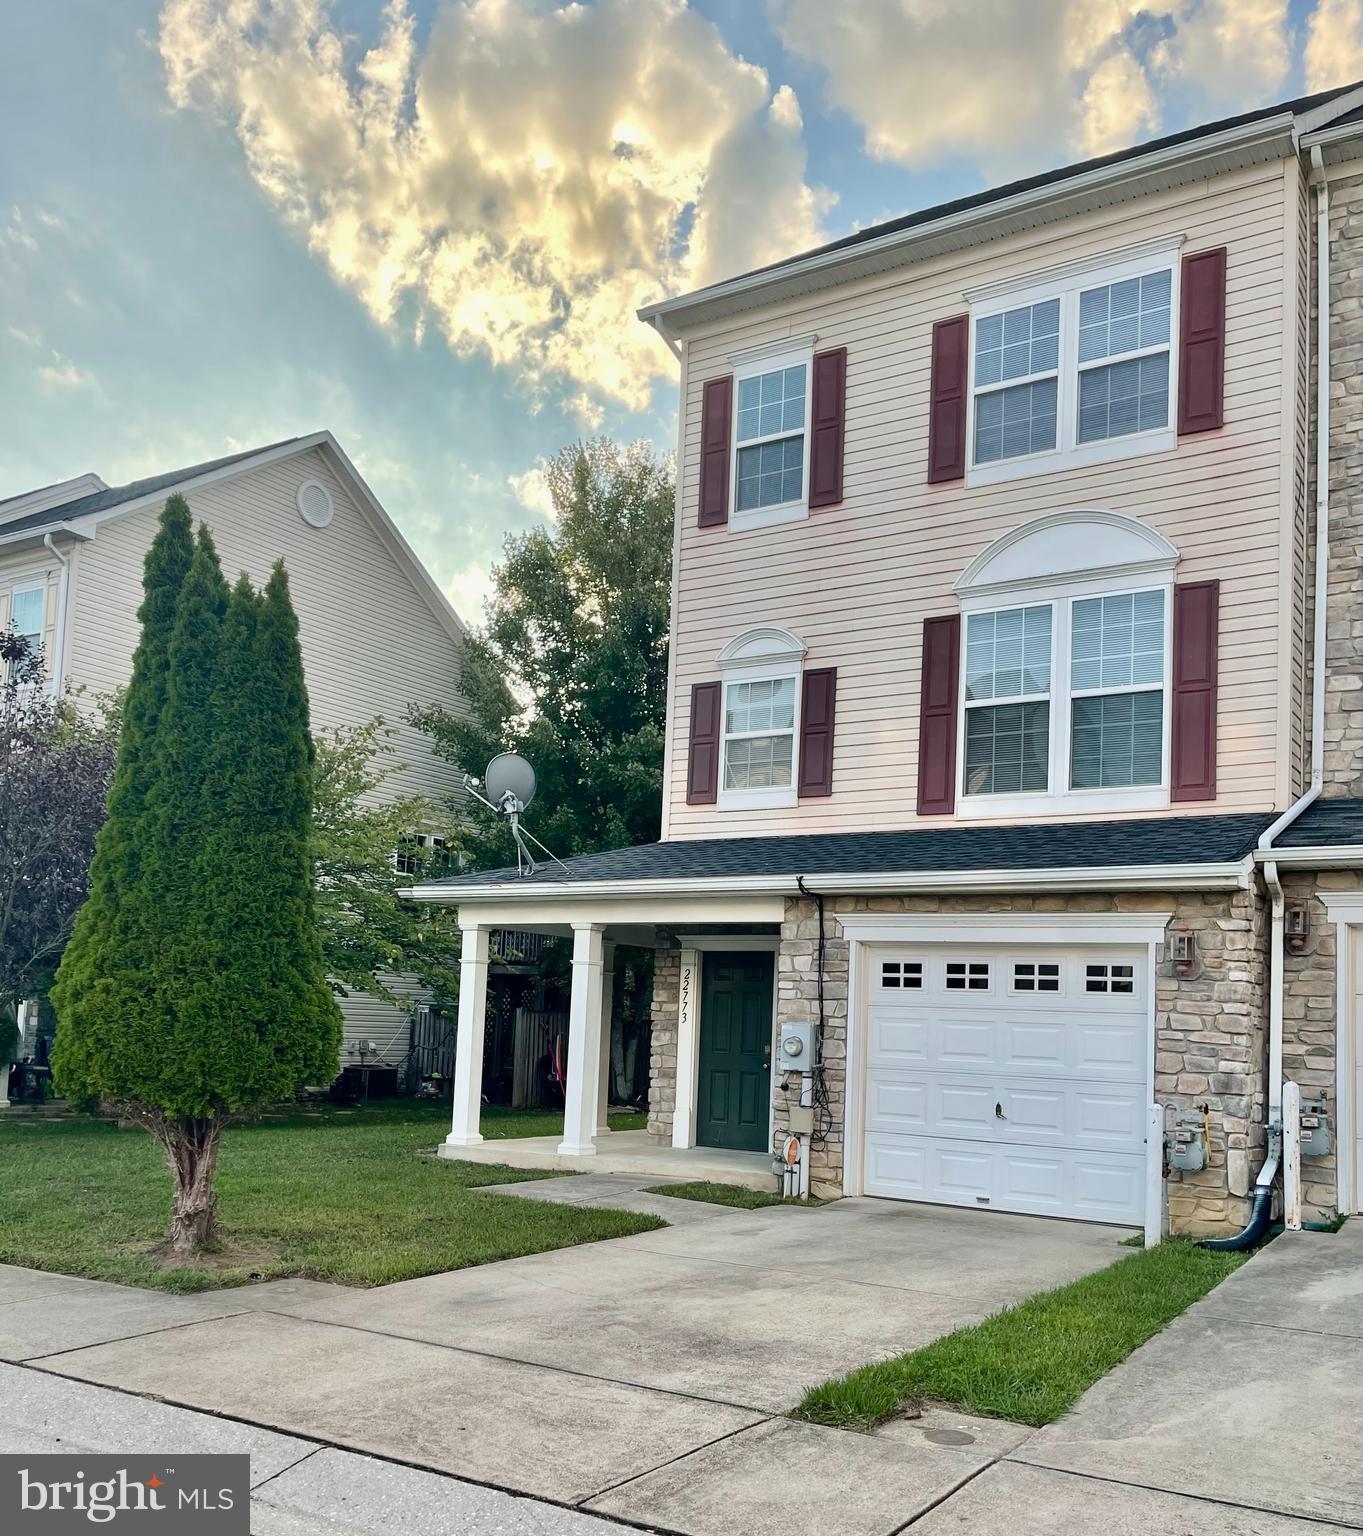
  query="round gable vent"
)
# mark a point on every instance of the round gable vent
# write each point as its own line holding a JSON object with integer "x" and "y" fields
{"x": 314, "y": 504}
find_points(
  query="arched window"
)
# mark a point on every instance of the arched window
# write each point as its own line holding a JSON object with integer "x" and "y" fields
{"x": 1065, "y": 685}
{"x": 760, "y": 718}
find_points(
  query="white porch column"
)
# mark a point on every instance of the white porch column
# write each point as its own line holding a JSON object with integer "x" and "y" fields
{"x": 468, "y": 1045}
{"x": 688, "y": 1050}
{"x": 584, "y": 1042}
{"x": 603, "y": 1089}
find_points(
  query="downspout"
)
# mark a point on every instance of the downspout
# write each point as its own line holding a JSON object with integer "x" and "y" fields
{"x": 1261, "y": 1209}
{"x": 59, "y": 662}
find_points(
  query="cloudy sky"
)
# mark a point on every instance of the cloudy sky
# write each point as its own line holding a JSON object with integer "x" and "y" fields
{"x": 426, "y": 224}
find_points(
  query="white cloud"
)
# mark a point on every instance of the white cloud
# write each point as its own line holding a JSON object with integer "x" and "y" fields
{"x": 469, "y": 590}
{"x": 1235, "y": 52}
{"x": 1334, "y": 44}
{"x": 1117, "y": 107}
{"x": 531, "y": 490}
{"x": 528, "y": 179}
{"x": 1010, "y": 85}
{"x": 61, "y": 374}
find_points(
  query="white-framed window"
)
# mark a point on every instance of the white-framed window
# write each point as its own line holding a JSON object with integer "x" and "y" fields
{"x": 1119, "y": 979}
{"x": 967, "y": 976}
{"x": 1036, "y": 976}
{"x": 1065, "y": 703}
{"x": 426, "y": 849}
{"x": 23, "y": 610}
{"x": 760, "y": 720}
{"x": 1074, "y": 367}
{"x": 769, "y": 474}
{"x": 901, "y": 975}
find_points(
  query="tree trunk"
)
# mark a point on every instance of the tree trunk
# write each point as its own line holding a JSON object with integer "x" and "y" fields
{"x": 191, "y": 1148}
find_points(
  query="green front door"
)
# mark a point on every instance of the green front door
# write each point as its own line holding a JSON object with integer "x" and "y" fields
{"x": 734, "y": 1099}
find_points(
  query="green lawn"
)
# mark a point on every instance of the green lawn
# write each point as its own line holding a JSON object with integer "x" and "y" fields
{"x": 335, "y": 1194}
{"x": 1031, "y": 1362}
{"x": 724, "y": 1194}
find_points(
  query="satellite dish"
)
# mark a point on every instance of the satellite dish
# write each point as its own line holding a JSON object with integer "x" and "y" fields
{"x": 509, "y": 774}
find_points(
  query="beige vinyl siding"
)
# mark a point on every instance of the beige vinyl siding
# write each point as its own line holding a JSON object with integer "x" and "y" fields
{"x": 855, "y": 582}
{"x": 372, "y": 644}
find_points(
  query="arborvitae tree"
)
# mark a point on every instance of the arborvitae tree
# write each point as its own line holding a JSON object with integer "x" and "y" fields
{"x": 238, "y": 1014}
{"x": 102, "y": 986}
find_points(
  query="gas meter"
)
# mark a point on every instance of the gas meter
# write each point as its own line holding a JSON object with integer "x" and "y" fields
{"x": 1188, "y": 1141}
{"x": 1315, "y": 1128}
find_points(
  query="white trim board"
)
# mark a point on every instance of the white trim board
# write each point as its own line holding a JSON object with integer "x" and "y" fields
{"x": 1345, "y": 911}
{"x": 1223, "y": 876}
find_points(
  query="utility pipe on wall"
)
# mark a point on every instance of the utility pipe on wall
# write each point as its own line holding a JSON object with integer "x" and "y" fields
{"x": 1263, "y": 1184}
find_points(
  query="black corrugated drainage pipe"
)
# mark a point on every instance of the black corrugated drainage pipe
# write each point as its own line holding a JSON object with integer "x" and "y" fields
{"x": 1260, "y": 1213}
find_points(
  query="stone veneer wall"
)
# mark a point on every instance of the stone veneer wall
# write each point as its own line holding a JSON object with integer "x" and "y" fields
{"x": 1344, "y": 610}
{"x": 662, "y": 1062}
{"x": 1310, "y": 1011}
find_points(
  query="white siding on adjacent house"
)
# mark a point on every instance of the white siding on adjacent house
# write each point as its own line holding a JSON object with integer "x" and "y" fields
{"x": 856, "y": 582}
{"x": 372, "y": 645}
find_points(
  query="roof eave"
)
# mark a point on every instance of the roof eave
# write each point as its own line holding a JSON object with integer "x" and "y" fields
{"x": 1229, "y": 149}
{"x": 1322, "y": 856}
{"x": 1224, "y": 875}
{"x": 38, "y": 536}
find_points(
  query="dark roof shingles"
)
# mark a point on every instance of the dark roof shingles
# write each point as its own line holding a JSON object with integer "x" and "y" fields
{"x": 116, "y": 495}
{"x": 1045, "y": 178}
{"x": 1090, "y": 844}
{"x": 1325, "y": 824}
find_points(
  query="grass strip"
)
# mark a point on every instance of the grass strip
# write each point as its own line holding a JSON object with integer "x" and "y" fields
{"x": 724, "y": 1194}
{"x": 1030, "y": 1363}
{"x": 327, "y": 1192}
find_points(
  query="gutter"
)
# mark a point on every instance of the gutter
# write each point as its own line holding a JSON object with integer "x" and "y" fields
{"x": 1266, "y": 856}
{"x": 1233, "y": 875}
{"x": 41, "y": 535}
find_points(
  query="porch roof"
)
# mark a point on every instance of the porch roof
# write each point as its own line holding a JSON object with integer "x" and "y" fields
{"x": 1146, "y": 845}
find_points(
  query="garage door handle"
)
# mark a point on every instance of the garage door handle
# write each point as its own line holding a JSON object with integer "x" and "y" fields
{"x": 998, "y": 1112}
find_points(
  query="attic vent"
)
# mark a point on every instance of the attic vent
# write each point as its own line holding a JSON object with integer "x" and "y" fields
{"x": 314, "y": 504}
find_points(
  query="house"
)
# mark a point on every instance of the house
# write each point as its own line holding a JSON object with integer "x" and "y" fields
{"x": 377, "y": 632}
{"x": 1016, "y": 709}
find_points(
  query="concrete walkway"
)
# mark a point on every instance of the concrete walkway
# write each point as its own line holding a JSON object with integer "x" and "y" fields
{"x": 646, "y": 1379}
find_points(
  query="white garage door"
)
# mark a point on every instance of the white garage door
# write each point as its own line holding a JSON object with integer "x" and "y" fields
{"x": 1009, "y": 1078}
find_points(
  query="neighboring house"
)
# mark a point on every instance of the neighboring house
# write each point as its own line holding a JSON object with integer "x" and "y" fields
{"x": 377, "y": 633}
{"x": 995, "y": 669}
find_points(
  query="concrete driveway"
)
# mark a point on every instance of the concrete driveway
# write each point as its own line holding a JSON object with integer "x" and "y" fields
{"x": 642, "y": 1377}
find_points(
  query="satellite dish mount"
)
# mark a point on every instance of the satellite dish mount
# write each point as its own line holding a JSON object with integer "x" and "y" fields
{"x": 509, "y": 782}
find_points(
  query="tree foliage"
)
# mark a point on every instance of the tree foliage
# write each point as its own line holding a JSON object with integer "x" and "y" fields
{"x": 56, "y": 764}
{"x": 193, "y": 989}
{"x": 367, "y": 930}
{"x": 571, "y": 669}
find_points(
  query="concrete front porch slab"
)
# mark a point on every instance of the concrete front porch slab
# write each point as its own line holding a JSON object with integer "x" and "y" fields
{"x": 788, "y": 1479}
{"x": 1011, "y": 1500}
{"x": 628, "y": 1152}
{"x": 619, "y": 1191}
{"x": 559, "y": 1435}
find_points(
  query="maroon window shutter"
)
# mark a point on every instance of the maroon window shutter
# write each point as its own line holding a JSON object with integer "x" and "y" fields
{"x": 1202, "y": 341}
{"x": 702, "y": 759}
{"x": 1193, "y": 749}
{"x": 827, "y": 410}
{"x": 716, "y": 421}
{"x": 937, "y": 716}
{"x": 946, "y": 413}
{"x": 817, "y": 701}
